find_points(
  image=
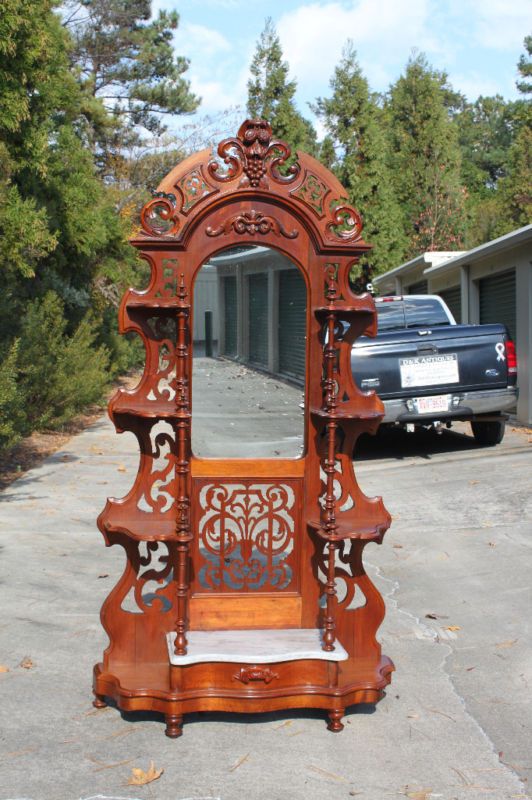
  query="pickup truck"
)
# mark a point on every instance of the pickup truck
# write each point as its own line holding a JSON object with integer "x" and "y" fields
{"x": 429, "y": 371}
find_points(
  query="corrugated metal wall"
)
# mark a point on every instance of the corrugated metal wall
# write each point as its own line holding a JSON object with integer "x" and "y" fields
{"x": 453, "y": 298}
{"x": 292, "y": 323}
{"x": 258, "y": 318}
{"x": 497, "y": 300}
{"x": 230, "y": 315}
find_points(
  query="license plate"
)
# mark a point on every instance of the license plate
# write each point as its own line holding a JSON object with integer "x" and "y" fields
{"x": 429, "y": 405}
{"x": 429, "y": 370}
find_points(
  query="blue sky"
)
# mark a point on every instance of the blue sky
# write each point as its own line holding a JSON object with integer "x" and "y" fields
{"x": 477, "y": 42}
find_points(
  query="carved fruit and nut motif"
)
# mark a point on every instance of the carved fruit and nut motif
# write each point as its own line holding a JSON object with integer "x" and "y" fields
{"x": 254, "y": 155}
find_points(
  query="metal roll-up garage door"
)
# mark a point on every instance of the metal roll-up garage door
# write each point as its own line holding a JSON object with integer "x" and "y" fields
{"x": 497, "y": 300}
{"x": 422, "y": 287}
{"x": 453, "y": 299}
{"x": 230, "y": 315}
{"x": 258, "y": 318}
{"x": 292, "y": 323}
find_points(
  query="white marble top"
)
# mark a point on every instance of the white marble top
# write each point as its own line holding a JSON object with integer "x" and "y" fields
{"x": 254, "y": 646}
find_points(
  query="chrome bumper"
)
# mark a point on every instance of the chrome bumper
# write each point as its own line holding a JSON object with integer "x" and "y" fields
{"x": 464, "y": 406}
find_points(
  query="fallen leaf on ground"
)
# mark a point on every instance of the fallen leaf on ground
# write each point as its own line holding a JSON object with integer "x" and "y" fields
{"x": 453, "y": 628}
{"x": 433, "y": 615}
{"x": 141, "y": 778}
{"x": 509, "y": 643}
{"x": 398, "y": 546}
{"x": 418, "y": 794}
{"x": 238, "y": 763}
{"x": 468, "y": 669}
{"x": 104, "y": 575}
{"x": 284, "y": 724}
{"x": 121, "y": 468}
{"x": 27, "y": 663}
{"x": 327, "y": 774}
{"x": 473, "y": 483}
{"x": 3, "y": 668}
{"x": 492, "y": 544}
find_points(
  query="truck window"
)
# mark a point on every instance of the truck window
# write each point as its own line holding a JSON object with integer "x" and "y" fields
{"x": 418, "y": 312}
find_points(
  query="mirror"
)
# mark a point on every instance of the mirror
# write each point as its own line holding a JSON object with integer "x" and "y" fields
{"x": 248, "y": 376}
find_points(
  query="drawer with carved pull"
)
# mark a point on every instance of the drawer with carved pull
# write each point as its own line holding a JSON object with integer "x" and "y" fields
{"x": 254, "y": 677}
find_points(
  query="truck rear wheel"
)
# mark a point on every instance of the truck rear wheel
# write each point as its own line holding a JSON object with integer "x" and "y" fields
{"x": 488, "y": 433}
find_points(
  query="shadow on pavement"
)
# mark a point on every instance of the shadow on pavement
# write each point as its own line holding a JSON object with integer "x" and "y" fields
{"x": 398, "y": 444}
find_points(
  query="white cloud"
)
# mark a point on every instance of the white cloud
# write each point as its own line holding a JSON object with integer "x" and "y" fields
{"x": 312, "y": 36}
{"x": 197, "y": 41}
{"x": 501, "y": 24}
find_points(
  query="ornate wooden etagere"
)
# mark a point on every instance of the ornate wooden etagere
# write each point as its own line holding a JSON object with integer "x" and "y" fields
{"x": 178, "y": 645}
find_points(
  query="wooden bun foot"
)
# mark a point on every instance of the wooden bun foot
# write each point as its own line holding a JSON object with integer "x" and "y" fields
{"x": 174, "y": 725}
{"x": 99, "y": 701}
{"x": 335, "y": 724}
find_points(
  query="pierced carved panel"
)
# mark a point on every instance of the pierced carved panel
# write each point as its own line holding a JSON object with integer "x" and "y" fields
{"x": 159, "y": 478}
{"x": 193, "y": 188}
{"x": 246, "y": 536}
{"x": 150, "y": 587}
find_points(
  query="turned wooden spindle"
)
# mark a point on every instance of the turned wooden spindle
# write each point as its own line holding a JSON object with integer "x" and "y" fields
{"x": 182, "y": 428}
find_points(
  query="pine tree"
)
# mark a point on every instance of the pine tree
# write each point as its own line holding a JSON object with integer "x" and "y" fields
{"x": 128, "y": 61}
{"x": 356, "y": 149}
{"x": 426, "y": 158}
{"x": 271, "y": 94}
{"x": 524, "y": 65}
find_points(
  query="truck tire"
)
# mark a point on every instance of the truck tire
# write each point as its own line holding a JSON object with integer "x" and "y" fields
{"x": 488, "y": 433}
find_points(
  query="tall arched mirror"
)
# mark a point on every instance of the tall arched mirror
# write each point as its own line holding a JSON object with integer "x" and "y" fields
{"x": 250, "y": 336}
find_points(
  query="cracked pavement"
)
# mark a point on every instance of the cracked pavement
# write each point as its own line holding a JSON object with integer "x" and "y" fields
{"x": 454, "y": 570}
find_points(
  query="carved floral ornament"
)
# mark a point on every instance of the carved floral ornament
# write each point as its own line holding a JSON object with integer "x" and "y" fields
{"x": 252, "y": 222}
{"x": 258, "y": 162}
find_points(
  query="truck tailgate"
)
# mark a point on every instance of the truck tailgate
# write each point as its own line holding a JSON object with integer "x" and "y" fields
{"x": 441, "y": 360}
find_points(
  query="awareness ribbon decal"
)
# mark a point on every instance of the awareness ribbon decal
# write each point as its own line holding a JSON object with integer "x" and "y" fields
{"x": 499, "y": 347}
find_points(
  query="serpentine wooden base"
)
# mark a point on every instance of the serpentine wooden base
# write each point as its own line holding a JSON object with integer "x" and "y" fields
{"x": 153, "y": 687}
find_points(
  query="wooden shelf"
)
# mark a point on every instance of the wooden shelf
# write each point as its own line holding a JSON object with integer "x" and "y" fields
{"x": 154, "y": 303}
{"x": 364, "y": 306}
{"x": 119, "y": 517}
{"x": 139, "y": 406}
{"x": 348, "y": 411}
{"x": 364, "y": 529}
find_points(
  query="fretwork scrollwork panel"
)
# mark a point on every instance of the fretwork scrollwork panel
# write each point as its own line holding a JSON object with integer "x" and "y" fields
{"x": 360, "y": 607}
{"x": 151, "y": 589}
{"x": 137, "y": 610}
{"x": 158, "y": 471}
{"x": 246, "y": 536}
{"x": 159, "y": 335}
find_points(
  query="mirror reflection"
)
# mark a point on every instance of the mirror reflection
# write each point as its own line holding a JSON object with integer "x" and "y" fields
{"x": 248, "y": 373}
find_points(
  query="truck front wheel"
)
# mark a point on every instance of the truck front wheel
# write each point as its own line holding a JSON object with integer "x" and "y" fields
{"x": 488, "y": 433}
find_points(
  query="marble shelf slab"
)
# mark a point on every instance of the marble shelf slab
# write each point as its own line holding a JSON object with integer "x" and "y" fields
{"x": 254, "y": 647}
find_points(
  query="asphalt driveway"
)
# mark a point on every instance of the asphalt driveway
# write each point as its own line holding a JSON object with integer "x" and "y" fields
{"x": 455, "y": 573}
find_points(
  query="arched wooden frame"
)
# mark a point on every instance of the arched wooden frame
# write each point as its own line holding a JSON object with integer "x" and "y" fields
{"x": 157, "y": 616}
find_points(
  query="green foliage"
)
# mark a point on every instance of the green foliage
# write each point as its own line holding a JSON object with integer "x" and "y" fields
{"x": 356, "y": 149}
{"x": 271, "y": 94}
{"x": 11, "y": 416}
{"x": 426, "y": 158}
{"x": 524, "y": 65}
{"x": 128, "y": 61}
{"x": 59, "y": 374}
{"x": 516, "y": 187}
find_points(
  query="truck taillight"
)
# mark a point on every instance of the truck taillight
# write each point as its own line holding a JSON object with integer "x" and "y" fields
{"x": 511, "y": 358}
